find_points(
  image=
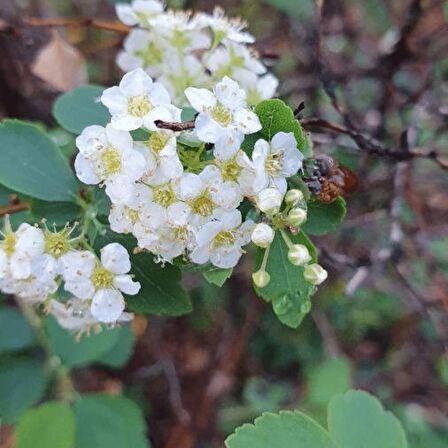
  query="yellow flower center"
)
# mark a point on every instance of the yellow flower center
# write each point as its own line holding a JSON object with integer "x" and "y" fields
{"x": 158, "y": 140}
{"x": 57, "y": 244}
{"x": 273, "y": 164}
{"x": 111, "y": 161}
{"x": 221, "y": 115}
{"x": 139, "y": 106}
{"x": 230, "y": 170}
{"x": 164, "y": 196}
{"x": 203, "y": 205}
{"x": 9, "y": 243}
{"x": 180, "y": 233}
{"x": 224, "y": 238}
{"x": 131, "y": 214}
{"x": 151, "y": 55}
{"x": 102, "y": 278}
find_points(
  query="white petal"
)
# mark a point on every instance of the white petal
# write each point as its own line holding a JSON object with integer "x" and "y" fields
{"x": 20, "y": 266}
{"x": 133, "y": 164}
{"x": 207, "y": 129}
{"x": 30, "y": 240}
{"x": 190, "y": 186}
{"x": 228, "y": 144}
{"x": 84, "y": 290}
{"x": 85, "y": 170}
{"x": 136, "y": 83}
{"x": 119, "y": 188}
{"x": 178, "y": 214}
{"x": 230, "y": 94}
{"x": 107, "y": 305}
{"x": 121, "y": 140}
{"x": 126, "y": 285}
{"x": 231, "y": 220}
{"x": 126, "y": 14}
{"x": 114, "y": 99}
{"x": 200, "y": 99}
{"x": 281, "y": 184}
{"x": 283, "y": 140}
{"x": 200, "y": 255}
{"x": 226, "y": 258}
{"x": 126, "y": 122}
{"x": 77, "y": 265}
{"x": 159, "y": 96}
{"x": 207, "y": 232}
{"x": 115, "y": 258}
{"x": 247, "y": 121}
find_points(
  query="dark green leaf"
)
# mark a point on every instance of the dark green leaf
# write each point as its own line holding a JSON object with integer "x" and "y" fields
{"x": 287, "y": 429}
{"x": 161, "y": 292}
{"x": 51, "y": 425}
{"x": 22, "y": 384}
{"x": 109, "y": 422}
{"x": 288, "y": 291}
{"x": 324, "y": 218}
{"x": 80, "y": 108}
{"x": 15, "y": 332}
{"x": 57, "y": 213}
{"x": 30, "y": 163}
{"x": 120, "y": 353}
{"x": 357, "y": 419}
{"x": 275, "y": 116}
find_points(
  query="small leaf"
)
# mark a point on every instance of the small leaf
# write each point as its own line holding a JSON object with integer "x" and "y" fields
{"x": 109, "y": 422}
{"x": 22, "y": 383}
{"x": 287, "y": 429}
{"x": 30, "y": 163}
{"x": 51, "y": 425}
{"x": 120, "y": 353}
{"x": 328, "y": 379}
{"x": 15, "y": 331}
{"x": 87, "y": 350}
{"x": 80, "y": 108}
{"x": 324, "y": 218}
{"x": 161, "y": 292}
{"x": 288, "y": 291}
{"x": 357, "y": 419}
{"x": 217, "y": 276}
{"x": 275, "y": 116}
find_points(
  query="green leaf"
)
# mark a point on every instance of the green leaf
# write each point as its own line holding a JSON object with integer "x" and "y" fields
{"x": 80, "y": 108}
{"x": 51, "y": 425}
{"x": 15, "y": 332}
{"x": 30, "y": 163}
{"x": 120, "y": 353}
{"x": 288, "y": 291}
{"x": 161, "y": 292}
{"x": 275, "y": 116}
{"x": 357, "y": 419}
{"x": 324, "y": 218}
{"x": 22, "y": 383}
{"x": 287, "y": 429}
{"x": 57, "y": 213}
{"x": 328, "y": 379}
{"x": 108, "y": 422}
{"x": 217, "y": 276}
{"x": 88, "y": 349}
{"x": 302, "y": 9}
{"x": 188, "y": 113}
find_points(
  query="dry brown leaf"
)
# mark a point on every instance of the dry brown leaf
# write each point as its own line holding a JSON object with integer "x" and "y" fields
{"x": 60, "y": 65}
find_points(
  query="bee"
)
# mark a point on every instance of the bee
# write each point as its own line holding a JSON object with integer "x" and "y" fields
{"x": 327, "y": 180}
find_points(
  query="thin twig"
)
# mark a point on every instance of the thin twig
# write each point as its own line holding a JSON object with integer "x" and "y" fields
{"x": 13, "y": 208}
{"x": 175, "y": 126}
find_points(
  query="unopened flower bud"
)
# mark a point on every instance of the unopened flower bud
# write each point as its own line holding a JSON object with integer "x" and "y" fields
{"x": 298, "y": 255}
{"x": 293, "y": 197}
{"x": 315, "y": 274}
{"x": 269, "y": 200}
{"x": 261, "y": 278}
{"x": 262, "y": 235}
{"x": 297, "y": 216}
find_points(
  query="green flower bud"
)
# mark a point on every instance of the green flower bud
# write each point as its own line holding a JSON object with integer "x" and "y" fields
{"x": 293, "y": 197}
{"x": 298, "y": 255}
{"x": 261, "y": 278}
{"x": 296, "y": 217}
{"x": 315, "y": 274}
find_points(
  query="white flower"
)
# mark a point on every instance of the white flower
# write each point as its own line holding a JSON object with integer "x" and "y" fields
{"x": 237, "y": 168}
{"x": 17, "y": 250}
{"x": 139, "y": 11}
{"x": 269, "y": 200}
{"x": 124, "y": 217}
{"x": 258, "y": 88}
{"x": 262, "y": 235}
{"x": 138, "y": 102}
{"x": 220, "y": 241}
{"x": 143, "y": 49}
{"x": 223, "y": 114}
{"x": 315, "y": 274}
{"x": 107, "y": 155}
{"x": 75, "y": 315}
{"x": 206, "y": 194}
{"x": 298, "y": 254}
{"x": 233, "y": 60}
{"x": 276, "y": 161}
{"x": 225, "y": 29}
{"x": 162, "y": 160}
{"x": 102, "y": 283}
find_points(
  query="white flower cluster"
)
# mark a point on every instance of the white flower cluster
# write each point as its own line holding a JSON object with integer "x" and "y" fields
{"x": 179, "y": 50}
{"x": 34, "y": 263}
{"x": 180, "y": 202}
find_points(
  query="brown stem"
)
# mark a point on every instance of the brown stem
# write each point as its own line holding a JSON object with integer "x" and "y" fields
{"x": 175, "y": 126}
{"x": 13, "y": 208}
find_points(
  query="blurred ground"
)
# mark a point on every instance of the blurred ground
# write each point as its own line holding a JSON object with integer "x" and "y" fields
{"x": 380, "y": 70}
